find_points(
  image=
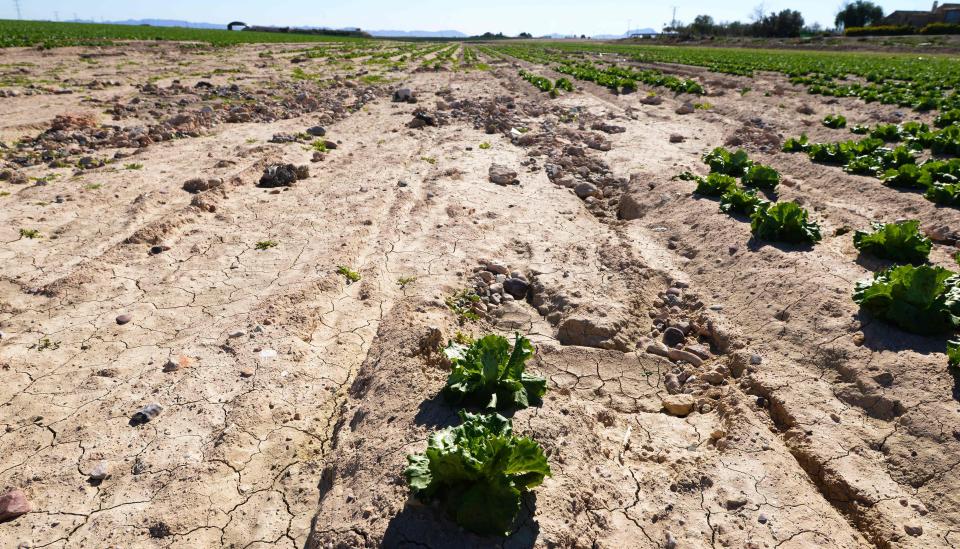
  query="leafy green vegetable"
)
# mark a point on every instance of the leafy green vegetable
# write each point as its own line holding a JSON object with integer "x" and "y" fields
{"x": 723, "y": 161}
{"x": 923, "y": 300}
{"x": 715, "y": 184}
{"x": 477, "y": 471}
{"x": 348, "y": 273}
{"x": 796, "y": 144}
{"x": 784, "y": 222}
{"x": 488, "y": 373}
{"x": 762, "y": 177}
{"x": 901, "y": 242}
{"x": 835, "y": 121}
{"x": 463, "y": 304}
{"x": 741, "y": 201}
{"x": 953, "y": 353}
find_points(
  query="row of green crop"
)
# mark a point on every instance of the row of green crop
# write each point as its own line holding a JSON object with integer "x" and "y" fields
{"x": 477, "y": 472}
{"x": 50, "y": 34}
{"x": 921, "y": 82}
{"x": 912, "y": 294}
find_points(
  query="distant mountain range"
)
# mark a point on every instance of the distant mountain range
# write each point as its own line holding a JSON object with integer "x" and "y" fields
{"x": 418, "y": 34}
{"x": 380, "y": 33}
{"x": 157, "y": 23}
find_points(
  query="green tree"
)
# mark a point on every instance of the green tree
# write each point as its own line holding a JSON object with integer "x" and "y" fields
{"x": 861, "y": 13}
{"x": 702, "y": 24}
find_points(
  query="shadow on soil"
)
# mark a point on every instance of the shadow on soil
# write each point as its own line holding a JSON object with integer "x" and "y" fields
{"x": 880, "y": 336}
{"x": 438, "y": 413}
{"x": 421, "y": 526}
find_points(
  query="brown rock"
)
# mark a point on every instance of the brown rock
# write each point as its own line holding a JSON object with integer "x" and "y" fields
{"x": 678, "y": 405}
{"x": 13, "y": 504}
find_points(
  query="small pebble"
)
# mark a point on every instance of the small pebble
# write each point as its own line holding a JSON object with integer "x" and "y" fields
{"x": 101, "y": 471}
{"x": 124, "y": 318}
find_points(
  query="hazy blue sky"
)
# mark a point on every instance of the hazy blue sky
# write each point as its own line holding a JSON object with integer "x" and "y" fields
{"x": 507, "y": 16}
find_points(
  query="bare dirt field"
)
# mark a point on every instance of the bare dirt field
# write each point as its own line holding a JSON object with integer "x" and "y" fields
{"x": 185, "y": 362}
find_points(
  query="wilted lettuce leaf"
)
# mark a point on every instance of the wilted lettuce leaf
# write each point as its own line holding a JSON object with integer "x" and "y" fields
{"x": 784, "y": 222}
{"x": 924, "y": 300}
{"x": 477, "y": 471}
{"x": 953, "y": 353}
{"x": 489, "y": 374}
{"x": 741, "y": 201}
{"x": 901, "y": 242}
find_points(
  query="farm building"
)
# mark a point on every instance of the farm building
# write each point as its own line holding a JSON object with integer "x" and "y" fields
{"x": 947, "y": 13}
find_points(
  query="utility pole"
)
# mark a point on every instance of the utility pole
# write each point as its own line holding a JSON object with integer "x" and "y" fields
{"x": 16, "y": 4}
{"x": 673, "y": 20}
{"x": 56, "y": 15}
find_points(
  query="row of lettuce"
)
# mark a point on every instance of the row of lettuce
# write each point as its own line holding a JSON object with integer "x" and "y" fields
{"x": 478, "y": 471}
{"x": 912, "y": 294}
{"x": 924, "y": 82}
{"x": 897, "y": 155}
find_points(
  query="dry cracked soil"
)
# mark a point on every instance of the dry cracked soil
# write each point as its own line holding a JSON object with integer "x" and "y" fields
{"x": 277, "y": 399}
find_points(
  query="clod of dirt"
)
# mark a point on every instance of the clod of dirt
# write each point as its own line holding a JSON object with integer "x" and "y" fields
{"x": 198, "y": 185}
{"x": 502, "y": 175}
{"x": 13, "y": 504}
{"x": 651, "y": 100}
{"x": 13, "y": 176}
{"x": 145, "y": 414}
{"x": 159, "y": 530}
{"x": 585, "y": 189}
{"x": 284, "y": 138}
{"x": 282, "y": 175}
{"x": 685, "y": 108}
{"x": 124, "y": 318}
{"x": 404, "y": 95}
{"x": 317, "y": 131}
{"x": 423, "y": 118}
{"x": 679, "y": 405}
{"x": 677, "y": 138}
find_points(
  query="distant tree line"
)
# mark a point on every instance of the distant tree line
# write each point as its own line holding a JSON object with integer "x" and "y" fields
{"x": 786, "y": 24}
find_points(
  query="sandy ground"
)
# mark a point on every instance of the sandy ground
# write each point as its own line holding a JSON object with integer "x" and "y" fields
{"x": 290, "y": 397}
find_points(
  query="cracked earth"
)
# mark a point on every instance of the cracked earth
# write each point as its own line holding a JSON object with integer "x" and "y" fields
{"x": 290, "y": 397}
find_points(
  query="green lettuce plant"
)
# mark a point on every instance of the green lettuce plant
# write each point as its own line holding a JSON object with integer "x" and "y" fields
{"x": 761, "y": 177}
{"x": 489, "y": 374}
{"x": 784, "y": 222}
{"x": 741, "y": 201}
{"x": 477, "y": 472}
{"x": 924, "y": 300}
{"x": 901, "y": 242}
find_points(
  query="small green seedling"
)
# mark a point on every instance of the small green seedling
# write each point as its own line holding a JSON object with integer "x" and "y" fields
{"x": 267, "y": 244}
{"x": 29, "y": 233}
{"x": 484, "y": 146}
{"x": 133, "y": 166}
{"x": 404, "y": 281}
{"x": 348, "y": 273}
{"x": 46, "y": 345}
